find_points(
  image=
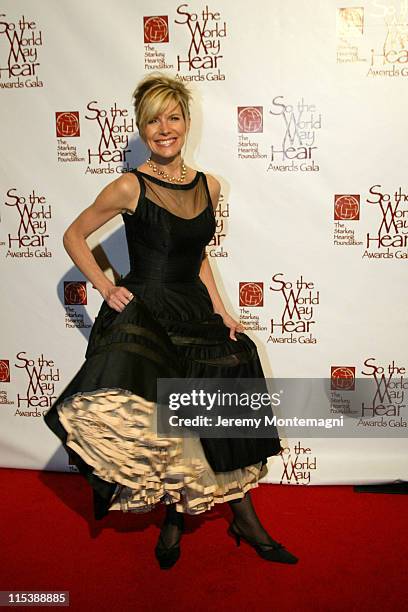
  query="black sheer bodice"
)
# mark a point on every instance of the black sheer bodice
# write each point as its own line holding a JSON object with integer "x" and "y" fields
{"x": 169, "y": 229}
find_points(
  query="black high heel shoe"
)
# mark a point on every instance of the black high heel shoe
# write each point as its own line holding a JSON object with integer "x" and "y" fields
{"x": 271, "y": 552}
{"x": 167, "y": 556}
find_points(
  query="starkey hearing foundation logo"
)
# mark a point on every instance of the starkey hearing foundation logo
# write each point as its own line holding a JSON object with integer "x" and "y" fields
{"x": 75, "y": 297}
{"x": 156, "y": 29}
{"x": 343, "y": 378}
{"x": 250, "y": 119}
{"x": 20, "y": 45}
{"x": 349, "y": 33}
{"x": 299, "y": 464}
{"x": 75, "y": 292}
{"x": 297, "y": 318}
{"x": 388, "y": 405}
{"x": 5, "y": 378}
{"x": 4, "y": 370}
{"x": 156, "y": 32}
{"x": 346, "y": 208}
{"x": 29, "y": 234}
{"x": 381, "y": 27}
{"x": 110, "y": 150}
{"x": 67, "y": 124}
{"x": 251, "y": 295}
{"x": 39, "y": 394}
{"x": 200, "y": 58}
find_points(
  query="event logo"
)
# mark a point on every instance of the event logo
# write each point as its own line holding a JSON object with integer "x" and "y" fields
{"x": 296, "y": 149}
{"x": 298, "y": 146}
{"x": 221, "y": 213}
{"x": 203, "y": 57}
{"x": 391, "y": 239}
{"x": 250, "y": 119}
{"x": 251, "y": 295}
{"x": 298, "y": 464}
{"x": 75, "y": 297}
{"x": 389, "y": 53}
{"x": 75, "y": 292}
{"x": 30, "y": 237}
{"x": 297, "y": 318}
{"x": 67, "y": 124}
{"x": 4, "y": 378}
{"x": 349, "y": 30}
{"x": 156, "y": 29}
{"x": 156, "y": 32}
{"x": 4, "y": 370}
{"x": 346, "y": 208}
{"x": 22, "y": 42}
{"x": 40, "y": 392}
{"x": 110, "y": 152}
{"x": 343, "y": 378}
{"x": 391, "y": 56}
{"x": 387, "y": 407}
{"x": 115, "y": 126}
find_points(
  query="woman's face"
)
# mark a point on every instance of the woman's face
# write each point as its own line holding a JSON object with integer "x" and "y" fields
{"x": 165, "y": 134}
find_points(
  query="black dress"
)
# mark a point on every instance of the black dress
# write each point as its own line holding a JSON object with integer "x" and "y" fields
{"x": 104, "y": 417}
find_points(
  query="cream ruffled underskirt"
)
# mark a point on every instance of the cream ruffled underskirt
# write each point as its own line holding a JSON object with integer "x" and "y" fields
{"x": 113, "y": 430}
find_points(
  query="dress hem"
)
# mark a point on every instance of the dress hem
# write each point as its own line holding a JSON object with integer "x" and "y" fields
{"x": 111, "y": 431}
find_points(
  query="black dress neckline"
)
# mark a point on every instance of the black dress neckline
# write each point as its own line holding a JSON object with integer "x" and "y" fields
{"x": 171, "y": 185}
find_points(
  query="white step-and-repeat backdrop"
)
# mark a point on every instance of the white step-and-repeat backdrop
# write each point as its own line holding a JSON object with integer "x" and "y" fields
{"x": 300, "y": 112}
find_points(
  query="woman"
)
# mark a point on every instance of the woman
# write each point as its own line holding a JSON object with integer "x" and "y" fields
{"x": 164, "y": 319}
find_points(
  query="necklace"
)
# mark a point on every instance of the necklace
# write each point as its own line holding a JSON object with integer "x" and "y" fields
{"x": 165, "y": 175}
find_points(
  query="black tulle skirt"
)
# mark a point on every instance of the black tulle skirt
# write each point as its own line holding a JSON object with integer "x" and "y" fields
{"x": 105, "y": 416}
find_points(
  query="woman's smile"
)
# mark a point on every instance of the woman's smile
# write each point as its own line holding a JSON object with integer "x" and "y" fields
{"x": 167, "y": 142}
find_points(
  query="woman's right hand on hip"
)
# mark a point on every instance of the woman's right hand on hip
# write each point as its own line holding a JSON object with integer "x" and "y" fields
{"x": 118, "y": 297}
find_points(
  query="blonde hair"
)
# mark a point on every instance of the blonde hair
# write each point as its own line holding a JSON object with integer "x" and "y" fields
{"x": 154, "y": 93}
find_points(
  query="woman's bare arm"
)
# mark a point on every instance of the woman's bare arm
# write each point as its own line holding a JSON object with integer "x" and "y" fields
{"x": 119, "y": 195}
{"x": 207, "y": 277}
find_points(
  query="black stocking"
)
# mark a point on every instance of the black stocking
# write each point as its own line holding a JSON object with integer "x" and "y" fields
{"x": 247, "y": 521}
{"x": 172, "y": 526}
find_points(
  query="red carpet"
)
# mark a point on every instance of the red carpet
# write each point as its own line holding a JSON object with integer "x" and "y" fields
{"x": 352, "y": 549}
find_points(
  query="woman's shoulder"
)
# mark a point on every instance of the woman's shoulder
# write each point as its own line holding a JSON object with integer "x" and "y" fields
{"x": 214, "y": 187}
{"x": 128, "y": 183}
{"x": 127, "y": 188}
{"x": 212, "y": 181}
